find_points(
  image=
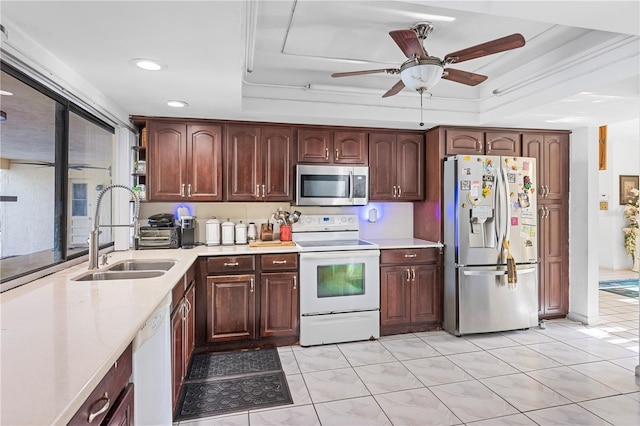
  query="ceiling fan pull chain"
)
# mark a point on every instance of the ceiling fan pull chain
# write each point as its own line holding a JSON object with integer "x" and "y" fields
{"x": 421, "y": 92}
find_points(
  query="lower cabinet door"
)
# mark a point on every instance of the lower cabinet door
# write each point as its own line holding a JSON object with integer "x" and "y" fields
{"x": 122, "y": 412}
{"x": 231, "y": 312}
{"x": 177, "y": 354}
{"x": 279, "y": 304}
{"x": 395, "y": 295}
{"x": 425, "y": 299}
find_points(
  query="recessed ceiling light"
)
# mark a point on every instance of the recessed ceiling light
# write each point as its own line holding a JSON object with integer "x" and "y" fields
{"x": 5, "y": 93}
{"x": 177, "y": 104}
{"x": 148, "y": 64}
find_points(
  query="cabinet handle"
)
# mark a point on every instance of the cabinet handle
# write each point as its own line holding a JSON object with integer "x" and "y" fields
{"x": 413, "y": 274}
{"x": 408, "y": 274}
{"x": 410, "y": 255}
{"x": 395, "y": 191}
{"x": 279, "y": 262}
{"x": 257, "y": 190}
{"x": 184, "y": 309}
{"x": 231, "y": 264}
{"x": 546, "y": 191}
{"x": 479, "y": 144}
{"x": 251, "y": 288}
{"x": 399, "y": 191}
{"x": 264, "y": 192}
{"x": 489, "y": 147}
{"x": 337, "y": 157}
{"x": 182, "y": 190}
{"x": 326, "y": 153}
{"x": 105, "y": 401}
{"x": 189, "y": 191}
{"x": 295, "y": 282}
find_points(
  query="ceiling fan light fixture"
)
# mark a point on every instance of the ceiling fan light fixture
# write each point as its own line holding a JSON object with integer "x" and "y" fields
{"x": 422, "y": 75}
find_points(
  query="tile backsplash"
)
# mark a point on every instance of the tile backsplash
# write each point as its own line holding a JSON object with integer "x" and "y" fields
{"x": 394, "y": 220}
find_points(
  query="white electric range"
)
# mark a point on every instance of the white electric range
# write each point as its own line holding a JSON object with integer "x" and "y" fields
{"x": 339, "y": 281}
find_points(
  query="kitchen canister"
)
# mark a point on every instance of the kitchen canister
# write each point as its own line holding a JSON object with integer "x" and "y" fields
{"x": 212, "y": 228}
{"x": 228, "y": 229}
{"x": 241, "y": 233}
{"x": 252, "y": 232}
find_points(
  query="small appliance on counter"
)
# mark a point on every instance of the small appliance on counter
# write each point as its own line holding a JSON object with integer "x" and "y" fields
{"x": 187, "y": 232}
{"x": 161, "y": 233}
{"x": 213, "y": 232}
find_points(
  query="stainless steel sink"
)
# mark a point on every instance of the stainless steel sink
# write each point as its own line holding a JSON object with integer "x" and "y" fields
{"x": 143, "y": 265}
{"x": 119, "y": 275}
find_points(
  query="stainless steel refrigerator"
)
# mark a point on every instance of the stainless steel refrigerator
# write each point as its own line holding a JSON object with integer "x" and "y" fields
{"x": 490, "y": 220}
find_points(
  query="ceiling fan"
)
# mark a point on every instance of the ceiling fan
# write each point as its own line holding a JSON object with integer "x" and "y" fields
{"x": 421, "y": 72}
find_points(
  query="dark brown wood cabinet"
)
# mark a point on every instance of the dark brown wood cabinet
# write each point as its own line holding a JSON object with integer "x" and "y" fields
{"x": 279, "y": 295}
{"x": 396, "y": 171}
{"x": 231, "y": 301}
{"x": 551, "y": 151}
{"x": 327, "y": 146}
{"x": 111, "y": 402}
{"x": 259, "y": 163}
{"x": 184, "y": 162}
{"x": 410, "y": 290}
{"x": 182, "y": 331}
{"x": 478, "y": 141}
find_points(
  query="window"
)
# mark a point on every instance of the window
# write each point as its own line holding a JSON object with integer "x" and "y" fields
{"x": 53, "y": 158}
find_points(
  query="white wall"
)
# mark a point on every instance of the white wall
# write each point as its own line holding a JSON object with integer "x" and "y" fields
{"x": 623, "y": 154}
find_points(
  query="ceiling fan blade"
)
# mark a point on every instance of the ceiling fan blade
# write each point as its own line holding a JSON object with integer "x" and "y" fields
{"x": 512, "y": 41}
{"x": 394, "y": 90}
{"x": 464, "y": 77}
{"x": 408, "y": 42}
{"x": 350, "y": 73}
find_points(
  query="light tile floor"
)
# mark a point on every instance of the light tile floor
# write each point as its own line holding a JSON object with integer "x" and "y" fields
{"x": 566, "y": 374}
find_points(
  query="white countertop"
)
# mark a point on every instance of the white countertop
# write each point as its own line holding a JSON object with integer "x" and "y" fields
{"x": 60, "y": 337}
{"x": 404, "y": 243}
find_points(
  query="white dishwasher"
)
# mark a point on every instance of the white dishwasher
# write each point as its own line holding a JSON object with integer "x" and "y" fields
{"x": 152, "y": 369}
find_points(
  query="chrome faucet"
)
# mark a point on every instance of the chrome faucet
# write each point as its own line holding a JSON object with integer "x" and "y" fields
{"x": 94, "y": 246}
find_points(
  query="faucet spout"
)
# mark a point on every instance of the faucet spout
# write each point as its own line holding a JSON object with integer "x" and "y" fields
{"x": 94, "y": 245}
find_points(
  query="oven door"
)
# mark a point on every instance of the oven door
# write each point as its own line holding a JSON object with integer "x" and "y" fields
{"x": 339, "y": 281}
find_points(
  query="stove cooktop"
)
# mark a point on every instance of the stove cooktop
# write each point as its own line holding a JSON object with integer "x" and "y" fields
{"x": 327, "y": 245}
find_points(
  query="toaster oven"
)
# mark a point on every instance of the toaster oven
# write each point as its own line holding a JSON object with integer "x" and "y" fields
{"x": 152, "y": 237}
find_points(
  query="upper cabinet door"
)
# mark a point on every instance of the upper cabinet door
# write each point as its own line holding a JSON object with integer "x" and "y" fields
{"x": 204, "y": 171}
{"x": 167, "y": 161}
{"x": 464, "y": 141}
{"x": 242, "y": 163}
{"x": 277, "y": 164}
{"x": 552, "y": 153}
{"x": 382, "y": 170}
{"x": 502, "y": 143}
{"x": 409, "y": 167}
{"x": 350, "y": 148}
{"x": 314, "y": 146}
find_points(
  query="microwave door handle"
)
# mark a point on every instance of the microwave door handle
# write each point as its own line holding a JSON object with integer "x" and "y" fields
{"x": 351, "y": 186}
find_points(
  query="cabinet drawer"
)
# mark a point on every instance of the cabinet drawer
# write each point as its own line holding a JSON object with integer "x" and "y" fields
{"x": 106, "y": 393}
{"x": 279, "y": 262}
{"x": 227, "y": 264}
{"x": 408, "y": 256}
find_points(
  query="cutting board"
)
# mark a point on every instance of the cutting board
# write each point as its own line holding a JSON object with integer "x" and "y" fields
{"x": 274, "y": 243}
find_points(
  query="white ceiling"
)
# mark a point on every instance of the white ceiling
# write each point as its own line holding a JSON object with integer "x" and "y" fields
{"x": 580, "y": 65}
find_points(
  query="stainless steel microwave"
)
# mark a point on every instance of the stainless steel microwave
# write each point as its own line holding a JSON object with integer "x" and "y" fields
{"x": 318, "y": 185}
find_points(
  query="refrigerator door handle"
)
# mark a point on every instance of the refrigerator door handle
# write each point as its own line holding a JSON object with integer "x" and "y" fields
{"x": 499, "y": 215}
{"x": 497, "y": 273}
{"x": 507, "y": 204}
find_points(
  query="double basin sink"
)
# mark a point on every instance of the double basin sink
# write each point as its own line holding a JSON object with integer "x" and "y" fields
{"x": 131, "y": 269}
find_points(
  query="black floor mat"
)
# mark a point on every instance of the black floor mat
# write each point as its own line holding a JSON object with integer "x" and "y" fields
{"x": 223, "y": 383}
{"x": 206, "y": 366}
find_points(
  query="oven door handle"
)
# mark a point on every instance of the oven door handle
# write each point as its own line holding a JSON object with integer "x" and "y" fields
{"x": 351, "y": 185}
{"x": 339, "y": 254}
